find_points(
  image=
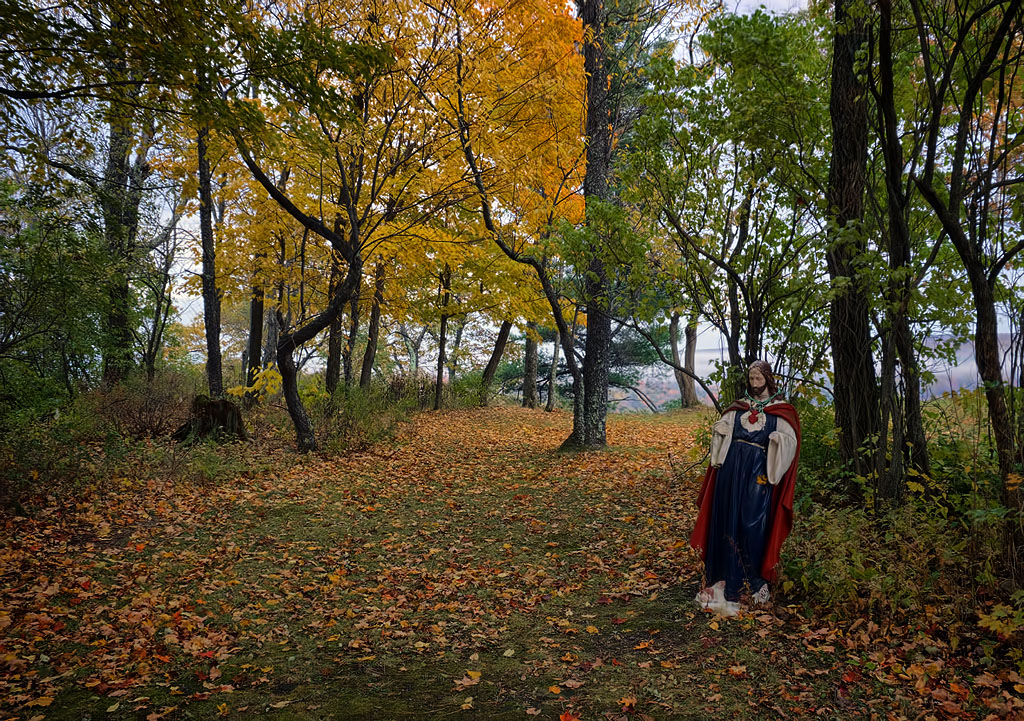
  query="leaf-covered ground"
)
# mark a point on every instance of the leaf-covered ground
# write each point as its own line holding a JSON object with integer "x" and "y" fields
{"x": 465, "y": 570}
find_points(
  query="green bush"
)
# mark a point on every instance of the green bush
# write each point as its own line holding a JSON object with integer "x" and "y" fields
{"x": 109, "y": 433}
{"x": 847, "y": 561}
{"x": 355, "y": 418}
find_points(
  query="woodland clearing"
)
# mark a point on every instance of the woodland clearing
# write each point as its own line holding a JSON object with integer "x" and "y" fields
{"x": 463, "y": 569}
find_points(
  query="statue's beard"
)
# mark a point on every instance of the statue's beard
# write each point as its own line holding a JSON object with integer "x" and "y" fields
{"x": 756, "y": 391}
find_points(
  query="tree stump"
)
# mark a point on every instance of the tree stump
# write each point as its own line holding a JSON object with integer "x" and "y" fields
{"x": 212, "y": 418}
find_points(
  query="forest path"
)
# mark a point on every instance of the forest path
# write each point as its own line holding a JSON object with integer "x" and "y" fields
{"x": 464, "y": 569}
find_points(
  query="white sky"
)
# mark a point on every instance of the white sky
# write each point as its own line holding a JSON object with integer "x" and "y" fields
{"x": 746, "y": 7}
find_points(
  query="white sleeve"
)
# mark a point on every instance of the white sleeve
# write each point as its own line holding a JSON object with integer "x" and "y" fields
{"x": 721, "y": 437}
{"x": 781, "y": 450}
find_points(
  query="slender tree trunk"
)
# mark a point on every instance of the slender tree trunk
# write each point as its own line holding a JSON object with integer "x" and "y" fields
{"x": 288, "y": 343}
{"x": 255, "y": 344}
{"x": 120, "y": 195}
{"x": 689, "y": 387}
{"x": 446, "y": 286}
{"x": 855, "y": 391}
{"x": 350, "y": 343}
{"x": 889, "y": 474}
{"x": 530, "y": 367}
{"x": 553, "y": 376}
{"x": 439, "y": 379}
{"x": 304, "y": 435}
{"x": 211, "y": 301}
{"x": 373, "y": 331}
{"x": 899, "y": 289}
{"x": 492, "y": 364}
{"x": 596, "y": 189}
{"x": 453, "y": 356}
{"x": 332, "y": 373}
{"x": 273, "y": 335}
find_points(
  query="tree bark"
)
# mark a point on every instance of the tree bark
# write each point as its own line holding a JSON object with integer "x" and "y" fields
{"x": 492, "y": 364}
{"x": 120, "y": 194}
{"x": 854, "y": 385}
{"x": 689, "y": 387}
{"x": 255, "y": 343}
{"x": 596, "y": 190}
{"x": 553, "y": 376}
{"x": 373, "y": 331}
{"x": 350, "y": 342}
{"x": 211, "y": 301}
{"x": 332, "y": 374}
{"x": 270, "y": 342}
{"x": 446, "y": 287}
{"x": 908, "y": 425}
{"x": 530, "y": 367}
{"x": 453, "y": 356}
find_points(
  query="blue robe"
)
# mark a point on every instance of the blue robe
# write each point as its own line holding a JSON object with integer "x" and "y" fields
{"x": 740, "y": 512}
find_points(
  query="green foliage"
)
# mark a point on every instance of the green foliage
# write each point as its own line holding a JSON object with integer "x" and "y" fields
{"x": 103, "y": 436}
{"x": 51, "y": 270}
{"x": 846, "y": 561}
{"x": 819, "y": 456}
{"x": 355, "y": 418}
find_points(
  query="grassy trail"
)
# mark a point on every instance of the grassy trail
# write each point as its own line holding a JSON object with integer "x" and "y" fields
{"x": 466, "y": 570}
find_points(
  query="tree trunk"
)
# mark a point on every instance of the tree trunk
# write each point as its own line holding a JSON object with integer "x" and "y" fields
{"x": 908, "y": 425}
{"x": 530, "y": 367}
{"x": 333, "y": 372}
{"x": 373, "y": 331}
{"x": 120, "y": 194}
{"x": 350, "y": 342}
{"x": 453, "y": 356}
{"x": 255, "y": 344}
{"x": 689, "y": 387}
{"x": 492, "y": 365}
{"x": 673, "y": 337}
{"x": 439, "y": 379}
{"x": 553, "y": 376}
{"x": 854, "y": 387}
{"x": 211, "y": 301}
{"x": 595, "y": 191}
{"x": 273, "y": 335}
{"x": 446, "y": 286}
{"x": 304, "y": 436}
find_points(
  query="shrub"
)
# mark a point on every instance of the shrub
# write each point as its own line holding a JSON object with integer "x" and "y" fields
{"x": 141, "y": 408}
{"x": 355, "y": 418}
{"x": 847, "y": 561}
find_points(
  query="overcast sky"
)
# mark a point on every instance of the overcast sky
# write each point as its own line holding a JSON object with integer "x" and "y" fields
{"x": 745, "y": 7}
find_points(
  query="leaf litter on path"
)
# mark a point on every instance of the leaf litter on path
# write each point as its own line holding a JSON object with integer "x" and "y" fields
{"x": 467, "y": 565}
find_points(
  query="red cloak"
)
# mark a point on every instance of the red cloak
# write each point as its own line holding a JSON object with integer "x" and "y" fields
{"x": 781, "y": 520}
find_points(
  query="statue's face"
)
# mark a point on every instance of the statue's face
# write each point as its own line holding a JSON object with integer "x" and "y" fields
{"x": 755, "y": 378}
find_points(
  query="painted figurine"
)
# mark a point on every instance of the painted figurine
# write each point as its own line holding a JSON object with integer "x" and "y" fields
{"x": 746, "y": 501}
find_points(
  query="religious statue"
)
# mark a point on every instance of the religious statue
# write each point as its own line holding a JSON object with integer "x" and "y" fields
{"x": 746, "y": 500}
